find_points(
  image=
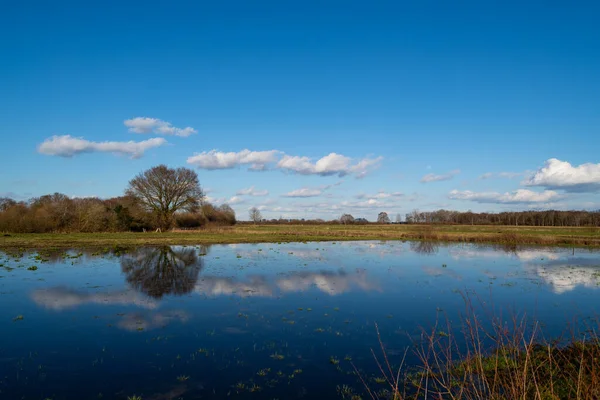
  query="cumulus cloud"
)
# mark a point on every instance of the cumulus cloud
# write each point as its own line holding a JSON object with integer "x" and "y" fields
{"x": 521, "y": 196}
{"x": 332, "y": 164}
{"x": 252, "y": 191}
{"x": 504, "y": 175}
{"x": 211, "y": 160}
{"x": 438, "y": 178}
{"x": 68, "y": 146}
{"x": 155, "y": 125}
{"x": 557, "y": 174}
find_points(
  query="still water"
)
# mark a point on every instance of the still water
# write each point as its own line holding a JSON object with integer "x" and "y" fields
{"x": 255, "y": 321}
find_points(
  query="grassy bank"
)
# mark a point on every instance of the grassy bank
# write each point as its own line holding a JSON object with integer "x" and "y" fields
{"x": 506, "y": 235}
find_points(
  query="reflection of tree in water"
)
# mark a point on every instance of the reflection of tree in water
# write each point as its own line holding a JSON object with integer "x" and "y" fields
{"x": 424, "y": 247}
{"x": 158, "y": 271}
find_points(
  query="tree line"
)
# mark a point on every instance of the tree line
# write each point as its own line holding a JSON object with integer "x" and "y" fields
{"x": 527, "y": 218}
{"x": 159, "y": 198}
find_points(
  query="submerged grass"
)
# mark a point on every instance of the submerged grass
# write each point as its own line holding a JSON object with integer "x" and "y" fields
{"x": 493, "y": 359}
{"x": 243, "y": 233}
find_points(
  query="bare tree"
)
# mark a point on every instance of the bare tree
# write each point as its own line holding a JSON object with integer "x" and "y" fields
{"x": 255, "y": 215}
{"x": 164, "y": 191}
{"x": 6, "y": 203}
{"x": 347, "y": 219}
{"x": 383, "y": 218}
{"x": 398, "y": 218}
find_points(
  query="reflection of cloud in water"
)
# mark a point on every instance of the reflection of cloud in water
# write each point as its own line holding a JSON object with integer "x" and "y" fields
{"x": 60, "y": 298}
{"x": 214, "y": 286}
{"x": 304, "y": 254}
{"x": 490, "y": 252}
{"x": 439, "y": 271}
{"x": 134, "y": 322}
{"x": 380, "y": 249}
{"x": 566, "y": 275}
{"x": 530, "y": 255}
{"x": 332, "y": 283}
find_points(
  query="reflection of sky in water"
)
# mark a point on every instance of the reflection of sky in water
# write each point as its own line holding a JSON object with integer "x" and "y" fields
{"x": 138, "y": 320}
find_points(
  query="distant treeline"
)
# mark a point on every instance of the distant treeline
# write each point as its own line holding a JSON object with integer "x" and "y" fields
{"x": 528, "y": 218}
{"x": 525, "y": 218}
{"x": 59, "y": 213}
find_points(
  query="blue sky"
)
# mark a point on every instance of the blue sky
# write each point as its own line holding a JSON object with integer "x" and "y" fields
{"x": 487, "y": 106}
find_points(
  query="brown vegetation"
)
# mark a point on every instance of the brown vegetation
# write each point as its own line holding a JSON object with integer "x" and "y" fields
{"x": 59, "y": 213}
{"x": 490, "y": 358}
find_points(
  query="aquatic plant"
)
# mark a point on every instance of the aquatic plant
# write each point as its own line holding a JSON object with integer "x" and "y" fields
{"x": 255, "y": 388}
{"x": 263, "y": 372}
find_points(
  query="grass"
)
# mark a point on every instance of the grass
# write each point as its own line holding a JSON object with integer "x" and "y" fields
{"x": 492, "y": 358}
{"x": 246, "y": 233}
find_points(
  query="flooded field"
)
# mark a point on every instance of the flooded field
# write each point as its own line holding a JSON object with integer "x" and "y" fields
{"x": 257, "y": 321}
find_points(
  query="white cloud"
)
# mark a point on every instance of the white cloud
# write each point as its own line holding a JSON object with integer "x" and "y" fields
{"x": 155, "y": 125}
{"x": 365, "y": 166}
{"x": 68, "y": 146}
{"x": 557, "y": 174}
{"x": 438, "y": 178}
{"x": 379, "y": 195}
{"x": 235, "y": 200}
{"x": 251, "y": 191}
{"x": 505, "y": 175}
{"x": 311, "y": 192}
{"x": 304, "y": 192}
{"x": 521, "y": 196}
{"x": 331, "y": 164}
{"x": 224, "y": 200}
{"x": 220, "y": 160}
